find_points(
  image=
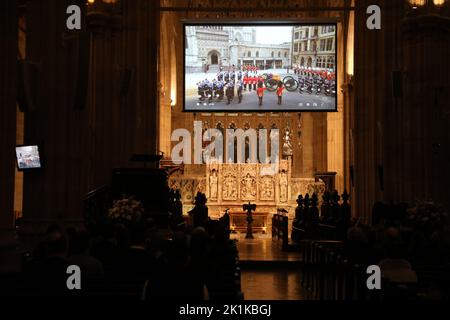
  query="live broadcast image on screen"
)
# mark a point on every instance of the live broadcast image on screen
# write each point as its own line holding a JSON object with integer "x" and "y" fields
{"x": 260, "y": 67}
{"x": 28, "y": 157}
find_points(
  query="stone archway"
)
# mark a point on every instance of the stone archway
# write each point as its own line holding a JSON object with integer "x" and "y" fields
{"x": 309, "y": 62}
{"x": 213, "y": 57}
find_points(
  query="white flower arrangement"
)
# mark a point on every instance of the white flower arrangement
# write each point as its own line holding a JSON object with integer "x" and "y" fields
{"x": 126, "y": 210}
{"x": 426, "y": 212}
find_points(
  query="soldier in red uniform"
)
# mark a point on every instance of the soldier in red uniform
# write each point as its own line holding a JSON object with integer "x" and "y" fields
{"x": 245, "y": 80}
{"x": 280, "y": 89}
{"x": 260, "y": 93}
{"x": 260, "y": 79}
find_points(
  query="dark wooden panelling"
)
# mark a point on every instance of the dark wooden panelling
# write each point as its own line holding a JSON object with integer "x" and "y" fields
{"x": 82, "y": 146}
{"x": 8, "y": 80}
{"x": 398, "y": 133}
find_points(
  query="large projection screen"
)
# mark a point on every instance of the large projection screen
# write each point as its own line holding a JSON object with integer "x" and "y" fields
{"x": 264, "y": 67}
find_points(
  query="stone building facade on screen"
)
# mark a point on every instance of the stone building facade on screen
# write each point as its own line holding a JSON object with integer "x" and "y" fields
{"x": 227, "y": 46}
{"x": 314, "y": 47}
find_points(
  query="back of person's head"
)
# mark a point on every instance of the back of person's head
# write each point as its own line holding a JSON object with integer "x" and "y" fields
{"x": 402, "y": 211}
{"x": 199, "y": 241}
{"x": 107, "y": 230}
{"x": 138, "y": 234}
{"x": 392, "y": 234}
{"x": 71, "y": 231}
{"x": 55, "y": 244}
{"x": 378, "y": 212}
{"x": 157, "y": 241}
{"x": 356, "y": 234}
{"x": 392, "y": 217}
{"x": 394, "y": 246}
{"x": 79, "y": 243}
{"x": 221, "y": 233}
{"x": 54, "y": 227}
{"x": 122, "y": 236}
{"x": 178, "y": 249}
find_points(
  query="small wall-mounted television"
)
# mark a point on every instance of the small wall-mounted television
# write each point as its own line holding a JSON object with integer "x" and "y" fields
{"x": 229, "y": 65}
{"x": 28, "y": 157}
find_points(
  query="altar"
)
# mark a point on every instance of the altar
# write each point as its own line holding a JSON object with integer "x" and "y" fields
{"x": 238, "y": 221}
{"x": 229, "y": 186}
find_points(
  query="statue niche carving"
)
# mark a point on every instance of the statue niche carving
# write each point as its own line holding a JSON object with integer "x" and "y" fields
{"x": 248, "y": 187}
{"x": 267, "y": 188}
{"x": 213, "y": 185}
{"x": 229, "y": 187}
{"x": 287, "y": 144}
{"x": 283, "y": 186}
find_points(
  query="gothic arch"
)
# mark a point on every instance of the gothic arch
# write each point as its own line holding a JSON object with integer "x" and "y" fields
{"x": 214, "y": 57}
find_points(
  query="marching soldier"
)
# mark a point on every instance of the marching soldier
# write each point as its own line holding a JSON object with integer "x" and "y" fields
{"x": 255, "y": 81}
{"x": 280, "y": 92}
{"x": 260, "y": 93}
{"x": 260, "y": 79}
{"x": 220, "y": 76}
{"x": 245, "y": 80}
{"x": 250, "y": 82}
{"x": 232, "y": 76}
{"x": 209, "y": 90}
{"x": 239, "y": 91}
{"x": 229, "y": 92}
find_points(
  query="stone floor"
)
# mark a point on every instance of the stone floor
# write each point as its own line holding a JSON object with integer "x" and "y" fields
{"x": 267, "y": 272}
{"x": 280, "y": 284}
{"x": 262, "y": 248}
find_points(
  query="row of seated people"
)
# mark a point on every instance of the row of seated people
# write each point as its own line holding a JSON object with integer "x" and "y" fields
{"x": 410, "y": 244}
{"x": 331, "y": 220}
{"x": 137, "y": 262}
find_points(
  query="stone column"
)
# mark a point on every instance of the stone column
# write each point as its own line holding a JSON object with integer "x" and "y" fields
{"x": 234, "y": 55}
{"x": 422, "y": 114}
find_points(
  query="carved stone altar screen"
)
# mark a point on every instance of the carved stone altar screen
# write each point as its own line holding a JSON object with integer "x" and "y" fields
{"x": 234, "y": 184}
{"x": 229, "y": 186}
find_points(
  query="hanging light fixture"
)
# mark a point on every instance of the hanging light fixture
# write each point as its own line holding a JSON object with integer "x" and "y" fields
{"x": 417, "y": 3}
{"x": 429, "y": 6}
{"x": 426, "y": 14}
{"x": 104, "y": 15}
{"x": 439, "y": 3}
{"x": 104, "y": 1}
